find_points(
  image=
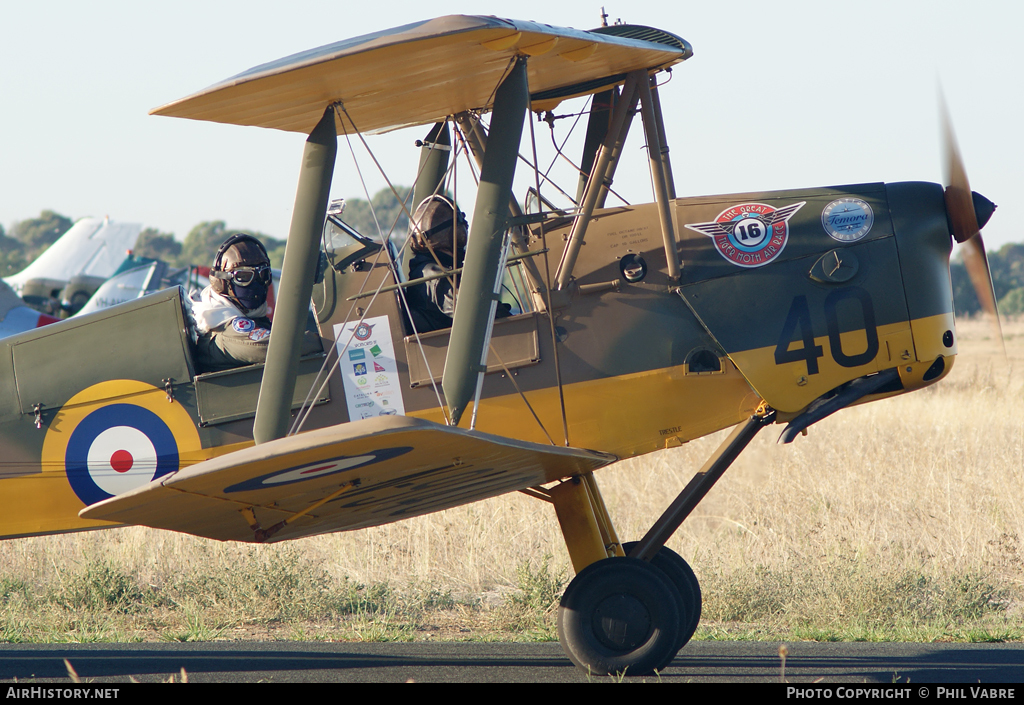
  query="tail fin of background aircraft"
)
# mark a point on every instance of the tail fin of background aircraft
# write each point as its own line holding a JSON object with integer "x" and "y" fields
{"x": 93, "y": 246}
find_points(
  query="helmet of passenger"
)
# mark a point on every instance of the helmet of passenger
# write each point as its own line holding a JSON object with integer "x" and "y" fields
{"x": 241, "y": 272}
{"x": 433, "y": 226}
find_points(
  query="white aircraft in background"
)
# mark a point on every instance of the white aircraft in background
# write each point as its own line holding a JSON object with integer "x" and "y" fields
{"x": 93, "y": 247}
{"x": 66, "y": 274}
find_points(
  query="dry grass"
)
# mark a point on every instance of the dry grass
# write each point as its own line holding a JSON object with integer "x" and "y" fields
{"x": 901, "y": 519}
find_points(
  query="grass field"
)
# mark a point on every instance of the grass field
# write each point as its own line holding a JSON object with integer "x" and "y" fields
{"x": 898, "y": 520}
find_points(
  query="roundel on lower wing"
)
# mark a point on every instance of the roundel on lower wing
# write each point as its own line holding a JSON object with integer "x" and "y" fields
{"x": 308, "y": 471}
{"x": 117, "y": 448}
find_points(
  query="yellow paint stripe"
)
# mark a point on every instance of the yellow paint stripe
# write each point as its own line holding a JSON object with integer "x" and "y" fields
{"x": 928, "y": 336}
{"x": 627, "y": 415}
{"x": 790, "y": 387}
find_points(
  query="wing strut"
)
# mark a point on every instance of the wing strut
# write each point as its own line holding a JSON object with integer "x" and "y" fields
{"x": 597, "y": 128}
{"x": 474, "y": 310}
{"x": 637, "y": 88}
{"x": 476, "y": 139}
{"x": 273, "y": 410}
{"x": 597, "y": 185}
{"x": 661, "y": 180}
{"x": 659, "y": 117}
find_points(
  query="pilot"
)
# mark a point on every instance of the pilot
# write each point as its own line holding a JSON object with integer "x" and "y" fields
{"x": 436, "y": 243}
{"x": 438, "y": 233}
{"x": 231, "y": 313}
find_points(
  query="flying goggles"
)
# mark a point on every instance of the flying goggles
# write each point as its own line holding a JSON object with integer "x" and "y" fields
{"x": 244, "y": 276}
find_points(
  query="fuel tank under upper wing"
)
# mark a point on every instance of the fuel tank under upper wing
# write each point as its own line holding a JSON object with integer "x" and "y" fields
{"x": 349, "y": 476}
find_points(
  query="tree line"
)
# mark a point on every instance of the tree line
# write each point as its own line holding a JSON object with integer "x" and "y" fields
{"x": 27, "y": 239}
{"x": 1007, "y": 265}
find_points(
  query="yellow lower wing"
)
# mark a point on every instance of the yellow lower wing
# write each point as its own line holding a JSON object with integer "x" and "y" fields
{"x": 344, "y": 477}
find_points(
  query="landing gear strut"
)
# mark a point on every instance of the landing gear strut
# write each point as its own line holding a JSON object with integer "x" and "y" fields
{"x": 630, "y": 615}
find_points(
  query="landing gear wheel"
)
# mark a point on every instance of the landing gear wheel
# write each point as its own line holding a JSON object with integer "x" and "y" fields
{"x": 683, "y": 577}
{"x": 620, "y": 616}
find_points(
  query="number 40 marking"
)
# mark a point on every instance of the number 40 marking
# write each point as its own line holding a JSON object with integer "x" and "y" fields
{"x": 799, "y": 316}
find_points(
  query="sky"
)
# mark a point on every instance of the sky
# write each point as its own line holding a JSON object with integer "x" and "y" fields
{"x": 784, "y": 94}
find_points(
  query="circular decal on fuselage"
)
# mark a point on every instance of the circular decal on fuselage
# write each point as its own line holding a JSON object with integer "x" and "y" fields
{"x": 116, "y": 436}
{"x": 847, "y": 219}
{"x": 750, "y": 234}
{"x": 117, "y": 448}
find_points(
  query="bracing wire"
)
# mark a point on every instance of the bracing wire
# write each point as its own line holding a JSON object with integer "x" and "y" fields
{"x": 560, "y": 154}
{"x": 302, "y": 417}
{"x": 547, "y": 292}
{"x": 393, "y": 267}
{"x": 305, "y": 411}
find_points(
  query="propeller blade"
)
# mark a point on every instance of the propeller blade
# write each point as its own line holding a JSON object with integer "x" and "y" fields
{"x": 976, "y": 262}
{"x": 961, "y": 205}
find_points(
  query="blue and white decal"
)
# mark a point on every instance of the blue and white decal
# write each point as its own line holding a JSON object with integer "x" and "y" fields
{"x": 242, "y": 325}
{"x": 847, "y": 219}
{"x": 363, "y": 331}
{"x": 118, "y": 448}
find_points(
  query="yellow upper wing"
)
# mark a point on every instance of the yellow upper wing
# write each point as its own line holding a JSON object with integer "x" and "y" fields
{"x": 422, "y": 72}
{"x": 348, "y": 476}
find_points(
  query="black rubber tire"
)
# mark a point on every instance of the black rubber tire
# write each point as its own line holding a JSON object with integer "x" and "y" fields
{"x": 685, "y": 580}
{"x": 620, "y": 616}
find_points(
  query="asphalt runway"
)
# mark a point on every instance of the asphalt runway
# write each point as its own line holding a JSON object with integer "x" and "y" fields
{"x": 698, "y": 662}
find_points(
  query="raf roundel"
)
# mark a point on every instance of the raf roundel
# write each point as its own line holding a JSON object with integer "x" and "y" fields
{"x": 118, "y": 448}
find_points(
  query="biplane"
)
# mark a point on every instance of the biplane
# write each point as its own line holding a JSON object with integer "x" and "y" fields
{"x": 634, "y": 328}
